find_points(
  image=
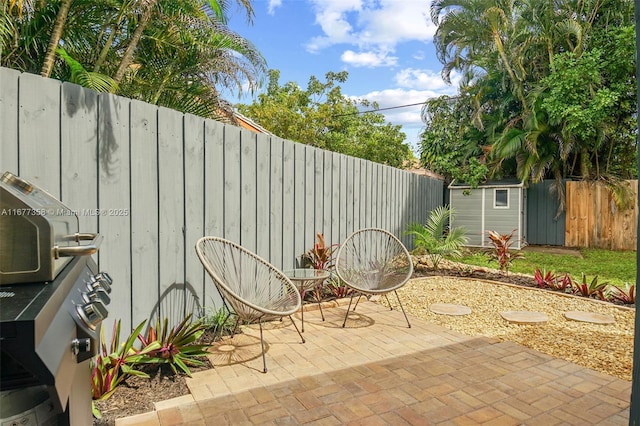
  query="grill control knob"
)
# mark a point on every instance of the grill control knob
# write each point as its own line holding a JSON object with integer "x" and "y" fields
{"x": 80, "y": 345}
{"x": 92, "y": 313}
{"x": 97, "y": 294}
{"x": 100, "y": 280}
{"x": 103, "y": 275}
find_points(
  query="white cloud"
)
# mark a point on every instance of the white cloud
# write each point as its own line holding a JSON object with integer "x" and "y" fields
{"x": 368, "y": 59}
{"x": 426, "y": 80}
{"x": 333, "y": 18}
{"x": 419, "y": 55}
{"x": 371, "y": 25}
{"x": 273, "y": 5}
{"x": 390, "y": 98}
{"x": 408, "y": 115}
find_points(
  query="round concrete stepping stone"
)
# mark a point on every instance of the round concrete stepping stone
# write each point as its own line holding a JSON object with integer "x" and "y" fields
{"x": 525, "y": 317}
{"x": 449, "y": 309}
{"x": 592, "y": 317}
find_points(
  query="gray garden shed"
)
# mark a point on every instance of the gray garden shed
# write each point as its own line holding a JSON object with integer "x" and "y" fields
{"x": 499, "y": 206}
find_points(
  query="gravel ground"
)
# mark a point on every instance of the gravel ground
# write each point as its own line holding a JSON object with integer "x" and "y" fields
{"x": 605, "y": 348}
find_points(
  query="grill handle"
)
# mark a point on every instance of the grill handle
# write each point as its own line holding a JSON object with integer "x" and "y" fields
{"x": 85, "y": 250}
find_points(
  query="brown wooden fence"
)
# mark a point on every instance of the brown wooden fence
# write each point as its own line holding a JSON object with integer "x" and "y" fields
{"x": 594, "y": 220}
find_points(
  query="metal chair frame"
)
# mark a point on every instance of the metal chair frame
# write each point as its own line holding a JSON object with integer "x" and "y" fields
{"x": 372, "y": 261}
{"x": 251, "y": 288}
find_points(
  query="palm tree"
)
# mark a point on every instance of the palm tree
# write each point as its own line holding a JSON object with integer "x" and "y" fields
{"x": 436, "y": 238}
{"x": 187, "y": 56}
{"x": 512, "y": 48}
{"x": 170, "y": 52}
{"x": 56, "y": 35}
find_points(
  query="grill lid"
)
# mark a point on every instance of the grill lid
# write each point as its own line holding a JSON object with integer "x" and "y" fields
{"x": 39, "y": 234}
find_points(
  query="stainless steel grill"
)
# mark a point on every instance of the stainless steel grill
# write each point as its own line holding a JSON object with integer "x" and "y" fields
{"x": 52, "y": 302}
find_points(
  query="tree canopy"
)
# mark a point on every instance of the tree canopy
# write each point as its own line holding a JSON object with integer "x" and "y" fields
{"x": 322, "y": 116}
{"x": 548, "y": 90}
{"x": 174, "y": 53}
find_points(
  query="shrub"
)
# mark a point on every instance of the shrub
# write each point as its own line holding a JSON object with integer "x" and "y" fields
{"x": 177, "y": 347}
{"x": 218, "y": 321}
{"x": 320, "y": 256}
{"x": 336, "y": 288}
{"x": 436, "y": 238}
{"x": 117, "y": 362}
{"x": 501, "y": 251}
{"x": 626, "y": 295}
{"x": 543, "y": 278}
{"x": 590, "y": 289}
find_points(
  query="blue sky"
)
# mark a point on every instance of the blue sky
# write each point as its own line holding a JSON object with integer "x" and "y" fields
{"x": 385, "y": 45}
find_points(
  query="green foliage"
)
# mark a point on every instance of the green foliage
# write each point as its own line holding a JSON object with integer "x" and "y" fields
{"x": 615, "y": 267}
{"x": 626, "y": 295}
{"x": 336, "y": 288}
{"x": 320, "y": 256}
{"x": 562, "y": 283}
{"x": 544, "y": 278}
{"x": 178, "y": 346}
{"x": 322, "y": 116}
{"x": 592, "y": 288}
{"x": 115, "y": 363}
{"x": 175, "y": 53}
{"x": 448, "y": 146}
{"x": 218, "y": 321}
{"x": 436, "y": 238}
{"x": 92, "y": 80}
{"x": 502, "y": 251}
{"x": 548, "y": 90}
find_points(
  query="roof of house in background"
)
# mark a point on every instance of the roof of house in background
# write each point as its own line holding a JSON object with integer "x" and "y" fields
{"x": 247, "y": 123}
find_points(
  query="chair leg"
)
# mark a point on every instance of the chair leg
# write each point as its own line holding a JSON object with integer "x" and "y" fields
{"x": 296, "y": 327}
{"x": 348, "y": 309}
{"x": 235, "y": 326}
{"x": 264, "y": 360}
{"x": 402, "y": 307}
{"x": 301, "y": 315}
{"x": 386, "y": 297}
{"x": 357, "y": 301}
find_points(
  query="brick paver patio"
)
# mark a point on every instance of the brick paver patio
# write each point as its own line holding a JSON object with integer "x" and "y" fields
{"x": 379, "y": 372}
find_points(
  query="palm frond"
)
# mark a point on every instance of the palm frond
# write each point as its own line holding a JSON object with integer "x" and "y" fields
{"x": 92, "y": 80}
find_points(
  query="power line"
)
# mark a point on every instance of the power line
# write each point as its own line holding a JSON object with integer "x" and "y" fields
{"x": 379, "y": 109}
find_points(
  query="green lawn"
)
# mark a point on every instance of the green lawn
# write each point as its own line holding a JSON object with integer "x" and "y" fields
{"x": 614, "y": 267}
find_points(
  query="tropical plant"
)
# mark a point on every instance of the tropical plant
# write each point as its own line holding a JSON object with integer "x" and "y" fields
{"x": 626, "y": 295}
{"x": 590, "y": 289}
{"x": 177, "y": 346}
{"x": 336, "y": 288}
{"x": 448, "y": 145}
{"x": 562, "y": 283}
{"x": 320, "y": 256}
{"x": 544, "y": 278}
{"x": 113, "y": 364}
{"x": 501, "y": 251}
{"x": 541, "y": 100}
{"x": 436, "y": 238}
{"x": 218, "y": 321}
{"x": 175, "y": 53}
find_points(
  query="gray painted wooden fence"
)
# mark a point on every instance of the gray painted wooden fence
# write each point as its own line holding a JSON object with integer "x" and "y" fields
{"x": 160, "y": 180}
{"x": 543, "y": 227}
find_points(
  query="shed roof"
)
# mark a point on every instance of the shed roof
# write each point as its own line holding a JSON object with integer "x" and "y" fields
{"x": 503, "y": 183}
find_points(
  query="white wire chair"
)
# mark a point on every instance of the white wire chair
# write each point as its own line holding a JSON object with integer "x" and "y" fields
{"x": 373, "y": 261}
{"x": 251, "y": 288}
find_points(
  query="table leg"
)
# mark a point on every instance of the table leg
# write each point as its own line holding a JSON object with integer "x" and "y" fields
{"x": 320, "y": 306}
{"x": 302, "y": 306}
